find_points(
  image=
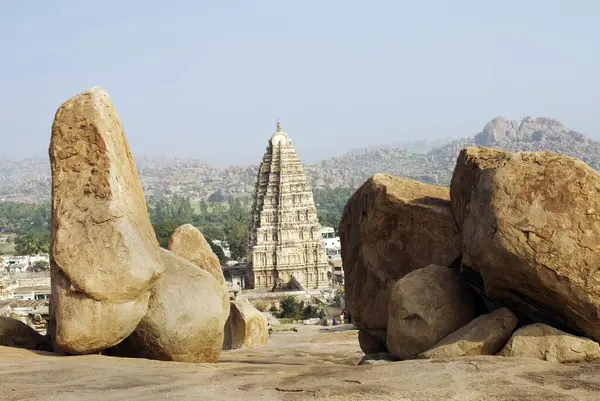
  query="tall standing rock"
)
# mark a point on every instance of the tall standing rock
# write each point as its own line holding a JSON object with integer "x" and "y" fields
{"x": 189, "y": 243}
{"x": 186, "y": 316}
{"x": 391, "y": 227}
{"x": 104, "y": 253}
{"x": 530, "y": 226}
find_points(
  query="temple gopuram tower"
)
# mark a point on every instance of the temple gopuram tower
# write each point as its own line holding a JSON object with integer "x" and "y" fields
{"x": 285, "y": 238}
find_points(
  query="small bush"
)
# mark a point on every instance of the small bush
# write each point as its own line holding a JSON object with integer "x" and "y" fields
{"x": 262, "y": 306}
{"x": 290, "y": 307}
{"x": 273, "y": 309}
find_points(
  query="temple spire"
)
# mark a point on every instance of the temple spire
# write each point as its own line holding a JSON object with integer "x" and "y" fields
{"x": 278, "y": 127}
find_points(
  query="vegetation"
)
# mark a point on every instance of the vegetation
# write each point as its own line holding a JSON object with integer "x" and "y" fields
{"x": 330, "y": 205}
{"x": 226, "y": 221}
{"x": 291, "y": 308}
{"x": 261, "y": 305}
{"x": 217, "y": 218}
{"x": 22, "y": 217}
{"x": 33, "y": 242}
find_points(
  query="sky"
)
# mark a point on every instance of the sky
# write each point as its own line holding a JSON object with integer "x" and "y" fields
{"x": 208, "y": 79}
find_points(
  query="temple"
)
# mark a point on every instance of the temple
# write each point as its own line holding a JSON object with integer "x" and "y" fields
{"x": 285, "y": 238}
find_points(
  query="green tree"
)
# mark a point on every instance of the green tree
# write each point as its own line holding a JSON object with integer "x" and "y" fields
{"x": 236, "y": 233}
{"x": 218, "y": 251}
{"x": 40, "y": 265}
{"x": 164, "y": 229}
{"x": 216, "y": 197}
{"x": 33, "y": 242}
{"x": 290, "y": 307}
{"x": 203, "y": 207}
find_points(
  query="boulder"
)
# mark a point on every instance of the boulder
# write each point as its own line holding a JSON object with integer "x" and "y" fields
{"x": 425, "y": 306}
{"x": 246, "y": 327}
{"x": 104, "y": 254}
{"x": 373, "y": 341}
{"x": 14, "y": 333}
{"x": 544, "y": 342}
{"x": 186, "y": 314}
{"x": 378, "y": 358}
{"x": 189, "y": 243}
{"x": 82, "y": 325}
{"x": 530, "y": 226}
{"x": 390, "y": 227}
{"x": 484, "y": 335}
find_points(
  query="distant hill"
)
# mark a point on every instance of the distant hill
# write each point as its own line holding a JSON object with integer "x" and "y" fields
{"x": 29, "y": 180}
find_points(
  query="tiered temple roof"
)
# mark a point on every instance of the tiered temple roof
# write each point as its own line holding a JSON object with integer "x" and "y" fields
{"x": 285, "y": 234}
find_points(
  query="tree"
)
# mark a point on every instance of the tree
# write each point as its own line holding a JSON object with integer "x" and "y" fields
{"x": 164, "y": 229}
{"x": 218, "y": 251}
{"x": 236, "y": 233}
{"x": 216, "y": 197}
{"x": 40, "y": 265}
{"x": 33, "y": 242}
{"x": 290, "y": 307}
{"x": 203, "y": 207}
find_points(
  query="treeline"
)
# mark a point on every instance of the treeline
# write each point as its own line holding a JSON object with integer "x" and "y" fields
{"x": 19, "y": 218}
{"x": 226, "y": 221}
{"x": 218, "y": 217}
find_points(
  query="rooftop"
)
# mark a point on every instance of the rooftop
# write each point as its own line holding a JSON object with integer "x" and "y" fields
{"x": 34, "y": 288}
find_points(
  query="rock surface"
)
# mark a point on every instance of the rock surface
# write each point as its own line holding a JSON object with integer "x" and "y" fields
{"x": 14, "y": 333}
{"x": 104, "y": 254}
{"x": 85, "y": 325}
{"x": 376, "y": 359}
{"x": 426, "y": 305}
{"x": 186, "y": 314}
{"x": 189, "y": 243}
{"x": 246, "y": 327}
{"x": 390, "y": 227}
{"x": 373, "y": 341}
{"x": 544, "y": 342}
{"x": 530, "y": 226}
{"x": 484, "y": 335}
{"x": 309, "y": 364}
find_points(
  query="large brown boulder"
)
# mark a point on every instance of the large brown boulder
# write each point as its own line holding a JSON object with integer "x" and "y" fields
{"x": 484, "y": 335}
{"x": 14, "y": 333}
{"x": 544, "y": 342}
{"x": 246, "y": 327}
{"x": 425, "y": 306}
{"x": 530, "y": 226}
{"x": 186, "y": 315}
{"x": 390, "y": 227}
{"x": 104, "y": 253}
{"x": 82, "y": 325}
{"x": 189, "y": 243}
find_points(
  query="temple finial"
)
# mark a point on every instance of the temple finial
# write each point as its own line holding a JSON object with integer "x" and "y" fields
{"x": 278, "y": 128}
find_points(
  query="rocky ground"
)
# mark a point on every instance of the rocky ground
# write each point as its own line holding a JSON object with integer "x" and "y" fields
{"x": 312, "y": 363}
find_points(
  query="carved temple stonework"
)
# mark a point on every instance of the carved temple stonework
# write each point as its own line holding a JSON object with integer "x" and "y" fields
{"x": 285, "y": 238}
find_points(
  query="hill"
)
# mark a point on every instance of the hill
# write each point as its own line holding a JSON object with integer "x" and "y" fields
{"x": 28, "y": 180}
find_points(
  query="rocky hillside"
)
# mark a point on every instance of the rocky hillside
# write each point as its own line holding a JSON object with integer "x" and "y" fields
{"x": 28, "y": 180}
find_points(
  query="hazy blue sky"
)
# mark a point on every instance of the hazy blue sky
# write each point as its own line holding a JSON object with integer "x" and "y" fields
{"x": 207, "y": 79}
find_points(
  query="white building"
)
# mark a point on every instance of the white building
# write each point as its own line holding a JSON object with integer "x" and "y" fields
{"x": 27, "y": 260}
{"x": 331, "y": 241}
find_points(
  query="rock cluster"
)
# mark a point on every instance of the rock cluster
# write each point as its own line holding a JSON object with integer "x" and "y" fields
{"x": 524, "y": 229}
{"x": 113, "y": 288}
{"x": 385, "y": 234}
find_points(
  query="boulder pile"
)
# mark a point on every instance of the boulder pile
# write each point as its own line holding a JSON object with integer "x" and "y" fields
{"x": 514, "y": 245}
{"x": 113, "y": 288}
